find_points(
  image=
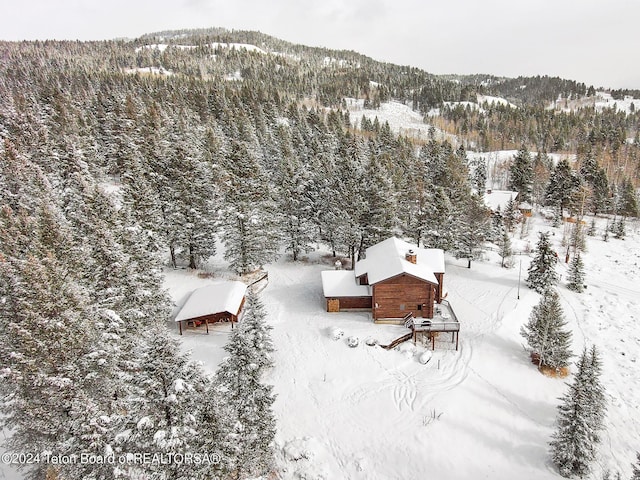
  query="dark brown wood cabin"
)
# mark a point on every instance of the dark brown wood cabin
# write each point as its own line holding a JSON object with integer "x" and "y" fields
{"x": 220, "y": 302}
{"x": 395, "y": 297}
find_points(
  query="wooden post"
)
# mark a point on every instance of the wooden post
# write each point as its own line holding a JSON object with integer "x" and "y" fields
{"x": 433, "y": 341}
{"x": 457, "y": 338}
{"x": 180, "y": 326}
{"x": 206, "y": 322}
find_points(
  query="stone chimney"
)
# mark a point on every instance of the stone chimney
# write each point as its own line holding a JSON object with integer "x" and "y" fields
{"x": 411, "y": 256}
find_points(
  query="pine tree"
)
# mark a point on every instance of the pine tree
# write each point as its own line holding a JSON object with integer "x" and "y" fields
{"x": 377, "y": 219}
{"x": 596, "y": 178}
{"x": 163, "y": 417}
{"x": 577, "y": 241}
{"x": 294, "y": 201}
{"x": 546, "y": 334}
{"x": 636, "y": 468}
{"x": 258, "y": 331}
{"x": 441, "y": 222}
{"x": 249, "y": 217}
{"x": 542, "y": 271}
{"x": 478, "y": 168}
{"x": 596, "y": 394}
{"x": 521, "y": 175}
{"x": 580, "y": 418}
{"x": 627, "y": 202}
{"x": 512, "y": 215}
{"x": 576, "y": 274}
{"x": 473, "y": 228}
{"x": 563, "y": 185}
{"x": 48, "y": 341}
{"x": 619, "y": 229}
{"x": 250, "y": 420}
{"x": 349, "y": 200}
{"x": 504, "y": 244}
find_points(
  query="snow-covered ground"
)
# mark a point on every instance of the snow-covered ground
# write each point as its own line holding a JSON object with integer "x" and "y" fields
{"x": 402, "y": 119}
{"x": 494, "y": 100}
{"x": 483, "y": 411}
{"x": 600, "y": 101}
{"x": 627, "y": 104}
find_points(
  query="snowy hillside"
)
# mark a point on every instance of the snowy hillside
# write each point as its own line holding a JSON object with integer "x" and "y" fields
{"x": 483, "y": 411}
{"x": 402, "y": 119}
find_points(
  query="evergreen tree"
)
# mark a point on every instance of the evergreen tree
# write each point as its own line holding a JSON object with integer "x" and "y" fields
{"x": 595, "y": 394}
{"x": 636, "y": 468}
{"x": 48, "y": 341}
{"x": 251, "y": 424}
{"x": 478, "y": 168}
{"x": 163, "y": 419}
{"x": 576, "y": 274}
{"x": 580, "y": 417}
{"x": 258, "y": 331}
{"x": 563, "y": 185}
{"x": 442, "y": 229}
{"x": 596, "y": 178}
{"x": 473, "y": 228}
{"x": 521, "y": 175}
{"x": 249, "y": 217}
{"x": 294, "y": 199}
{"x": 418, "y": 210}
{"x": 349, "y": 198}
{"x": 619, "y": 229}
{"x": 545, "y": 332}
{"x": 512, "y": 215}
{"x": 504, "y": 244}
{"x": 627, "y": 202}
{"x": 542, "y": 270}
{"x": 194, "y": 186}
{"x": 577, "y": 240}
{"x": 378, "y": 217}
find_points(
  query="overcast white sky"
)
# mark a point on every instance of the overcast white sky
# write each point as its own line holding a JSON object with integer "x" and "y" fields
{"x": 592, "y": 41}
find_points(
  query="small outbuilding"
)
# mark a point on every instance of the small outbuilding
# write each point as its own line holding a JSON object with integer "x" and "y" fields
{"x": 218, "y": 302}
{"x": 343, "y": 293}
{"x": 526, "y": 209}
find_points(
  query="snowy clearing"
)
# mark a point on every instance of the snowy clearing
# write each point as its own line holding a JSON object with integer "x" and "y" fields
{"x": 402, "y": 119}
{"x": 483, "y": 411}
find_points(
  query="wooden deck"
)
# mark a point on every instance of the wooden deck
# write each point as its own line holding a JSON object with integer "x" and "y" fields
{"x": 444, "y": 320}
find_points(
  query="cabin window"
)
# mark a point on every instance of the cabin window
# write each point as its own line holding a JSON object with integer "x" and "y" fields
{"x": 419, "y": 307}
{"x": 402, "y": 307}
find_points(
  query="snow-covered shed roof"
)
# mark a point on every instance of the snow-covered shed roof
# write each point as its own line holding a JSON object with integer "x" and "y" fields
{"x": 342, "y": 283}
{"x": 387, "y": 259}
{"x": 498, "y": 198}
{"x": 215, "y": 298}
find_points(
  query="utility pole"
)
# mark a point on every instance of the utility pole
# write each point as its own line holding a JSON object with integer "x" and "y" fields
{"x": 519, "y": 275}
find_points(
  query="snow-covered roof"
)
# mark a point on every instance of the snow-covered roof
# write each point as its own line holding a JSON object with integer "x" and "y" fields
{"x": 342, "y": 283}
{"x": 525, "y": 206}
{"x": 498, "y": 198}
{"x": 214, "y": 298}
{"x": 387, "y": 259}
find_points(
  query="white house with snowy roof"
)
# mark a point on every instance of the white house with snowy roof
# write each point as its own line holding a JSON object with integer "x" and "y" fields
{"x": 394, "y": 279}
{"x": 217, "y": 302}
